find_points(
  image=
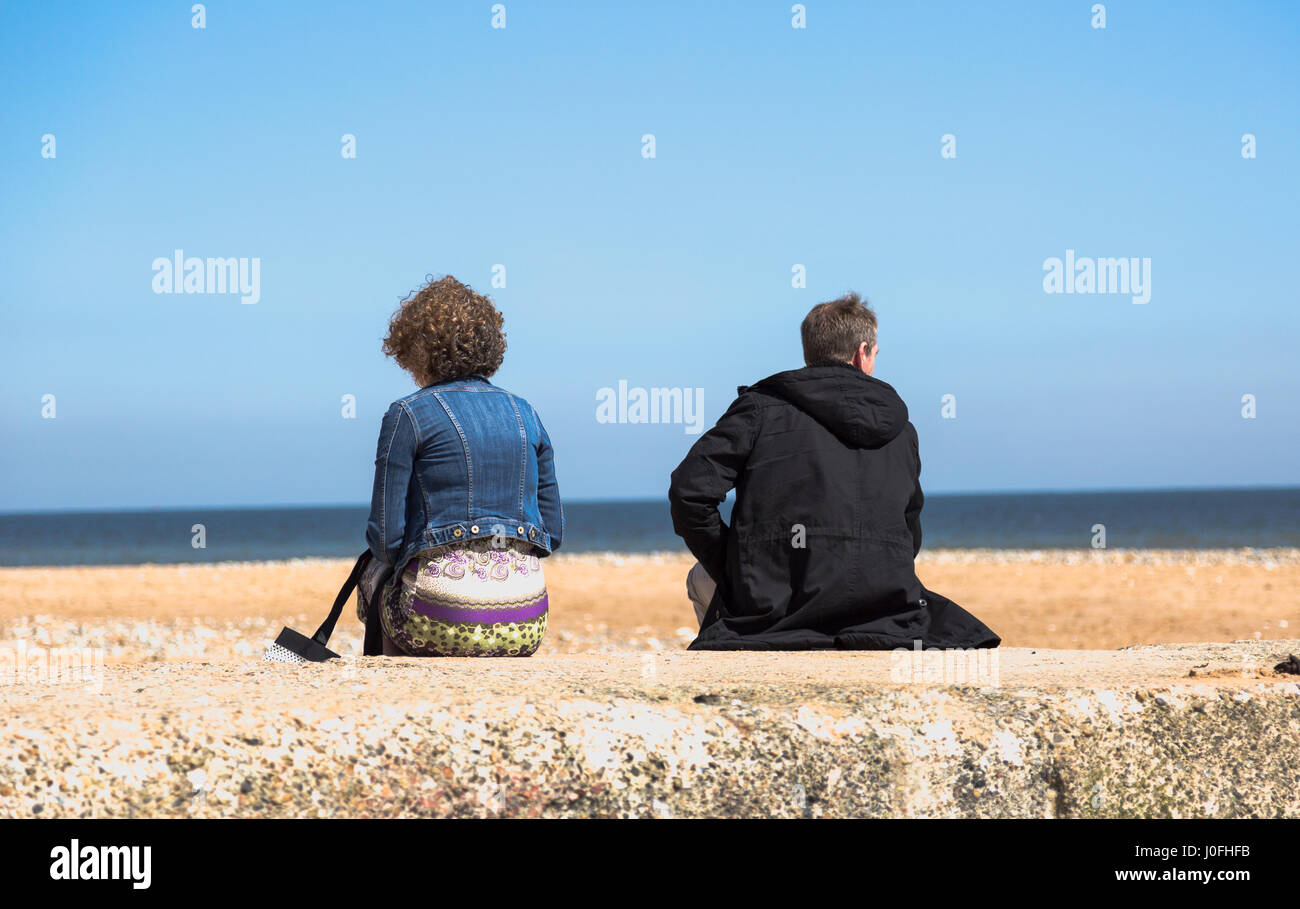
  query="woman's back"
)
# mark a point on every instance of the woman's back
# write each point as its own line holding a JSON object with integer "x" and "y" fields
{"x": 459, "y": 461}
{"x": 465, "y": 502}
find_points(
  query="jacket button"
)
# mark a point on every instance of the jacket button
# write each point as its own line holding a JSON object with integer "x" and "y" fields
{"x": 521, "y": 530}
{"x": 474, "y": 529}
{"x": 456, "y": 532}
{"x": 532, "y": 534}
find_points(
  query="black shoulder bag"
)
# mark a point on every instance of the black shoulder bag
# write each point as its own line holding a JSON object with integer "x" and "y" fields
{"x": 295, "y": 647}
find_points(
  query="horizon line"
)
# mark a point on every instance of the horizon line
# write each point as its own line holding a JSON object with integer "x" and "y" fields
{"x": 623, "y": 500}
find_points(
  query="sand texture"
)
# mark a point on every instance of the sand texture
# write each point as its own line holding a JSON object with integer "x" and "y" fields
{"x": 1085, "y": 599}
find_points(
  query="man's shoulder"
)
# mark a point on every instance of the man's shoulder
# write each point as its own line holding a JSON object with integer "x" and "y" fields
{"x": 749, "y": 405}
{"x": 755, "y": 396}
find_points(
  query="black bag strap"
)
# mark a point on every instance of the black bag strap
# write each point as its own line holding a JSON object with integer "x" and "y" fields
{"x": 322, "y": 635}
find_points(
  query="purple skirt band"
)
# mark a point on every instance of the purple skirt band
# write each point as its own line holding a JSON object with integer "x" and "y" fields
{"x": 448, "y": 613}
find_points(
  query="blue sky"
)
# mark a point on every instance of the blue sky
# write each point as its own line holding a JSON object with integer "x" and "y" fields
{"x": 522, "y": 146}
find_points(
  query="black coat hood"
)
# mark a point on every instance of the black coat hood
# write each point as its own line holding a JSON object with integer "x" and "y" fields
{"x": 861, "y": 411}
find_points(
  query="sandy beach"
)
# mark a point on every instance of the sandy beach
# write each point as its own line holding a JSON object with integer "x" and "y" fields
{"x": 607, "y": 602}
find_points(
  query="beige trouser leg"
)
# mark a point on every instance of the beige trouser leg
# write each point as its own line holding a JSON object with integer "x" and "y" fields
{"x": 700, "y": 588}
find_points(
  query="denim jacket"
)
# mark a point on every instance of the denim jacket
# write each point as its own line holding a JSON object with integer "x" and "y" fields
{"x": 457, "y": 461}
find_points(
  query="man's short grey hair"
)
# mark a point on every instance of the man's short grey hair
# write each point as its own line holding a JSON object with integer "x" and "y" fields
{"x": 833, "y": 331}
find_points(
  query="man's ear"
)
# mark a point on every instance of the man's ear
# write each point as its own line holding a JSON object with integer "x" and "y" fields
{"x": 862, "y": 358}
{"x": 861, "y": 355}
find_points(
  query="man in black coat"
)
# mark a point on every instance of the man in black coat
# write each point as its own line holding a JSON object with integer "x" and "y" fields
{"x": 827, "y": 518}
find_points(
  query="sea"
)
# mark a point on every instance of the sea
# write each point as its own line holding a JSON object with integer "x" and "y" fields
{"x": 1175, "y": 519}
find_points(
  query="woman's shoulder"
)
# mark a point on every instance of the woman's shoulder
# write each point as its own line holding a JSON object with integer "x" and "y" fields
{"x": 407, "y": 402}
{"x": 525, "y": 407}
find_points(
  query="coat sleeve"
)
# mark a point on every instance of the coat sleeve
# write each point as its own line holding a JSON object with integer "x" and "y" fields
{"x": 548, "y": 490}
{"x": 386, "y": 528}
{"x": 703, "y": 479}
{"x": 915, "y": 503}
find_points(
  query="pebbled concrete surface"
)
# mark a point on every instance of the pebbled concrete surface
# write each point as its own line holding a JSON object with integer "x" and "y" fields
{"x": 1186, "y": 730}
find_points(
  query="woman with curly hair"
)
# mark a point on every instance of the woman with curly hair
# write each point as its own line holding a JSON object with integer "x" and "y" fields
{"x": 465, "y": 501}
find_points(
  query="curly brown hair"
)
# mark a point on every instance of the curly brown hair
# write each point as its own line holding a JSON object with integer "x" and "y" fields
{"x": 445, "y": 330}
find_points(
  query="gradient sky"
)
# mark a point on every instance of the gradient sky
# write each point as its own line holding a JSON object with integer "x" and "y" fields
{"x": 522, "y": 146}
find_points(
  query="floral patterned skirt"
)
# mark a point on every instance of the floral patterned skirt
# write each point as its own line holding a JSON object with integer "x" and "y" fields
{"x": 462, "y": 600}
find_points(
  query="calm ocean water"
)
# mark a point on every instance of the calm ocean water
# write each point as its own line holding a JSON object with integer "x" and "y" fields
{"x": 1183, "y": 519}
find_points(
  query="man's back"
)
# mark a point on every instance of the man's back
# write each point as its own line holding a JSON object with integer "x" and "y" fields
{"x": 826, "y": 524}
